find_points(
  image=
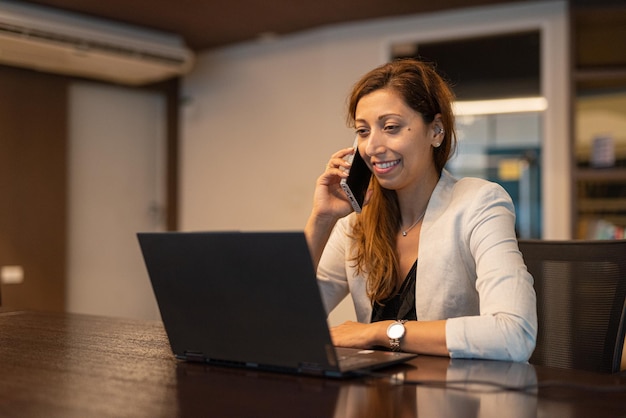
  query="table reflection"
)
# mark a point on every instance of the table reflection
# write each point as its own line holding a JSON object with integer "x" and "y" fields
{"x": 423, "y": 394}
{"x": 207, "y": 391}
{"x": 410, "y": 390}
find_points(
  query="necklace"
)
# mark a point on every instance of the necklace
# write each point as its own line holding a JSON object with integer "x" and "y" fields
{"x": 406, "y": 231}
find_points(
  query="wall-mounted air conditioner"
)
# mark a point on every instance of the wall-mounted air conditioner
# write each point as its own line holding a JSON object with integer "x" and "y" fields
{"x": 57, "y": 42}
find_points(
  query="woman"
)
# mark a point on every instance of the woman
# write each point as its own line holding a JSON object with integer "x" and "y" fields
{"x": 431, "y": 263}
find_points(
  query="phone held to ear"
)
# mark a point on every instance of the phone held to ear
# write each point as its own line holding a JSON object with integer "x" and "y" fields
{"x": 355, "y": 186}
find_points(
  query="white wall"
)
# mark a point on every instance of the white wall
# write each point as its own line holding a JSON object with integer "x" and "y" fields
{"x": 262, "y": 118}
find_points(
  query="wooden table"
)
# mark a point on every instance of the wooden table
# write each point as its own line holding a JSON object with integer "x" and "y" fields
{"x": 64, "y": 365}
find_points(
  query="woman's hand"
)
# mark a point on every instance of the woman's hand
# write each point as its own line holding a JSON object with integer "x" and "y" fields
{"x": 330, "y": 203}
{"x": 358, "y": 335}
{"x": 329, "y": 200}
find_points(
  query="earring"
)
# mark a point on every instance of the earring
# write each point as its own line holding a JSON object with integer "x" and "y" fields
{"x": 437, "y": 144}
{"x": 438, "y": 130}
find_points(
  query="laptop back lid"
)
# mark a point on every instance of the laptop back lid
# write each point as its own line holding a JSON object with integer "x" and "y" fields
{"x": 241, "y": 299}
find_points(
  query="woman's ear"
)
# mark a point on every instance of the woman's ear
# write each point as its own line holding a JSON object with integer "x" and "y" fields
{"x": 438, "y": 131}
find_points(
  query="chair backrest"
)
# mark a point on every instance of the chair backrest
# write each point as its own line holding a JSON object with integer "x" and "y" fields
{"x": 581, "y": 292}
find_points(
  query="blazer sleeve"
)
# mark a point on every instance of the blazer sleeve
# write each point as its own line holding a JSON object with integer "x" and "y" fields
{"x": 331, "y": 272}
{"x": 506, "y": 327}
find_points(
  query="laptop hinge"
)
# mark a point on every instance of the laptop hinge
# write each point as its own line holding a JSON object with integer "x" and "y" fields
{"x": 195, "y": 356}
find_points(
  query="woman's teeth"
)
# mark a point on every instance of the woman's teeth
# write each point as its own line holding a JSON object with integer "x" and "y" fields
{"x": 387, "y": 164}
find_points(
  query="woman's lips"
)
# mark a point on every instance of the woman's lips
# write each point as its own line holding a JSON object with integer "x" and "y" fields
{"x": 385, "y": 166}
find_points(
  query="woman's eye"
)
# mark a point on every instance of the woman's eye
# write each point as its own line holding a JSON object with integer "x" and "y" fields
{"x": 362, "y": 132}
{"x": 392, "y": 128}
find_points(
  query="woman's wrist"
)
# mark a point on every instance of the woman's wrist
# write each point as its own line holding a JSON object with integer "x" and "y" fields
{"x": 379, "y": 337}
{"x": 321, "y": 221}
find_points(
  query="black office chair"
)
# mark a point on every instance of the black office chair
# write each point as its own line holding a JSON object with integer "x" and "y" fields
{"x": 581, "y": 294}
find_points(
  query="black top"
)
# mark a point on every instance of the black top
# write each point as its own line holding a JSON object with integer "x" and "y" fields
{"x": 402, "y": 304}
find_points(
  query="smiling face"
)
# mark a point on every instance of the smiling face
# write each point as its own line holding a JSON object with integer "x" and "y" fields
{"x": 395, "y": 141}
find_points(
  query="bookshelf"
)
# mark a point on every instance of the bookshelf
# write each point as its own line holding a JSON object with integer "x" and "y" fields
{"x": 598, "y": 42}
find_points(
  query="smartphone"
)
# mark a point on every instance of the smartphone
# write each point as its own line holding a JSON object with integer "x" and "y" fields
{"x": 358, "y": 180}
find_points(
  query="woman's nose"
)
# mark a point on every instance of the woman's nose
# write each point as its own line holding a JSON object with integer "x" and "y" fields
{"x": 373, "y": 144}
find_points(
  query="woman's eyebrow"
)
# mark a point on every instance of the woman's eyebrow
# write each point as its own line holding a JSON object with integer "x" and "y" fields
{"x": 381, "y": 117}
{"x": 386, "y": 115}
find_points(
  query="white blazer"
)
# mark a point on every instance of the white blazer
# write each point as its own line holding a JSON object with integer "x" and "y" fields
{"x": 469, "y": 271}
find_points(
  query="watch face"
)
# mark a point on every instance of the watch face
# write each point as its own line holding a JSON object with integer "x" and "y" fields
{"x": 395, "y": 331}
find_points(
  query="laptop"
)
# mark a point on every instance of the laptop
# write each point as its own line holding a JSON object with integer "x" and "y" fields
{"x": 248, "y": 299}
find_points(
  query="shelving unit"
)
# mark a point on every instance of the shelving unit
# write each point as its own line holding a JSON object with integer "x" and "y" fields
{"x": 598, "y": 68}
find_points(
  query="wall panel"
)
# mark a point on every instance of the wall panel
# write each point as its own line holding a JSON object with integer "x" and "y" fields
{"x": 33, "y": 131}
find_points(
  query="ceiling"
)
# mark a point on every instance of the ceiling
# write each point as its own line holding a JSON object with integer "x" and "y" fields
{"x": 206, "y": 24}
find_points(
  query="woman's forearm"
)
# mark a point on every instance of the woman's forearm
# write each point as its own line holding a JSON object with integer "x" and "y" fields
{"x": 317, "y": 231}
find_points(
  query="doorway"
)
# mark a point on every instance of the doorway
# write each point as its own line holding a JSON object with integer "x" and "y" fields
{"x": 116, "y": 186}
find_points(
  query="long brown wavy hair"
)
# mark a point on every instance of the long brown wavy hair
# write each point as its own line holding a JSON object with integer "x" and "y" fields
{"x": 376, "y": 229}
